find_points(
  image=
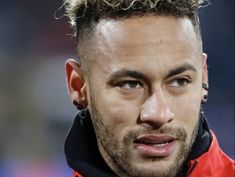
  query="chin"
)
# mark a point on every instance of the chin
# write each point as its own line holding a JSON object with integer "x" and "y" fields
{"x": 155, "y": 166}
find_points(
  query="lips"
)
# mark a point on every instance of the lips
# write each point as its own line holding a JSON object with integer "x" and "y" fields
{"x": 155, "y": 145}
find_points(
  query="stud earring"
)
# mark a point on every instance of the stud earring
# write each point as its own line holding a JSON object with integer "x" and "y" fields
{"x": 205, "y": 86}
{"x": 79, "y": 106}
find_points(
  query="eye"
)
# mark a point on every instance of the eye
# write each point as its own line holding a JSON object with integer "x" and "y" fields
{"x": 180, "y": 82}
{"x": 131, "y": 84}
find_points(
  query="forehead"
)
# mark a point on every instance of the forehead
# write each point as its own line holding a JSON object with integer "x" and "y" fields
{"x": 154, "y": 27}
{"x": 155, "y": 39}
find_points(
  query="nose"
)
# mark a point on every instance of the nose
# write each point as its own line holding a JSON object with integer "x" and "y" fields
{"x": 155, "y": 111}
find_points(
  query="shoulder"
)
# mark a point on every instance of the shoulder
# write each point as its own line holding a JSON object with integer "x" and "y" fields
{"x": 213, "y": 163}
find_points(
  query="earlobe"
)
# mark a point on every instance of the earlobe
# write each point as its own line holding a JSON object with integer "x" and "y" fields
{"x": 75, "y": 82}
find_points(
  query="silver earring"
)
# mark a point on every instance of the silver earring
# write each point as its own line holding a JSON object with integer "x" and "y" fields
{"x": 205, "y": 86}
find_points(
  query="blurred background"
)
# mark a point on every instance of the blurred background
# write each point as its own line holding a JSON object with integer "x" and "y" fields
{"x": 35, "y": 111}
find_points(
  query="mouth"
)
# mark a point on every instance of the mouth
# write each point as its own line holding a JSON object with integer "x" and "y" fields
{"x": 155, "y": 145}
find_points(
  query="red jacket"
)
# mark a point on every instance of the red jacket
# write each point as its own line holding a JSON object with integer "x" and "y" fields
{"x": 213, "y": 163}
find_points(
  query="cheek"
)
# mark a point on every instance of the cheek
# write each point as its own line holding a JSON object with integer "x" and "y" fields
{"x": 188, "y": 112}
{"x": 116, "y": 111}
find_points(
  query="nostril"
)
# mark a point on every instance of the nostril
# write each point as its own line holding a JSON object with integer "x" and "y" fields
{"x": 169, "y": 120}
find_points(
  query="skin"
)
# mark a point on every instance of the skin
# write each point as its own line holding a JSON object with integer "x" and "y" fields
{"x": 145, "y": 78}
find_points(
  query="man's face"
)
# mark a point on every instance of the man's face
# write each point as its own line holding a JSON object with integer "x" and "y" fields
{"x": 144, "y": 93}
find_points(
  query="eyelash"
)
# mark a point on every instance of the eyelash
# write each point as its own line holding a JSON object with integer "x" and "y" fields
{"x": 123, "y": 83}
{"x": 186, "y": 81}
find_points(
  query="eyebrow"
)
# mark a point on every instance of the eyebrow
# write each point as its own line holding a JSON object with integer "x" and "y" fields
{"x": 181, "y": 69}
{"x": 139, "y": 75}
{"x": 128, "y": 73}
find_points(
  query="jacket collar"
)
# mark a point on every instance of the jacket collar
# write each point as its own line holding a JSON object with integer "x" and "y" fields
{"x": 81, "y": 149}
{"x": 82, "y": 152}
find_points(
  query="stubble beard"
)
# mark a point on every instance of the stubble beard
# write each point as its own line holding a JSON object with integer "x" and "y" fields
{"x": 117, "y": 155}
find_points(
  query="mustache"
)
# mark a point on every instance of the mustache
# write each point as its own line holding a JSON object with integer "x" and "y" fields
{"x": 176, "y": 132}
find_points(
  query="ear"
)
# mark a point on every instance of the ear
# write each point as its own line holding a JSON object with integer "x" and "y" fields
{"x": 204, "y": 74}
{"x": 75, "y": 82}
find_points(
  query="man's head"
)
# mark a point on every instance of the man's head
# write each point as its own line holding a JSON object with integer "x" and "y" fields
{"x": 141, "y": 76}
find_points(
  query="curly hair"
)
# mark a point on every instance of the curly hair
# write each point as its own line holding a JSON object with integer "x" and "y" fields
{"x": 83, "y": 14}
